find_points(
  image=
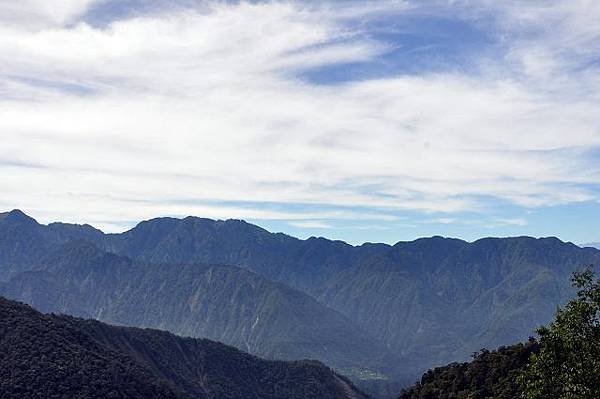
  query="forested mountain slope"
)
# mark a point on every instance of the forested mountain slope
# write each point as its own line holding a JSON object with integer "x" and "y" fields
{"x": 473, "y": 295}
{"x": 429, "y": 301}
{"x": 491, "y": 374}
{"x": 46, "y": 356}
{"x": 432, "y": 300}
{"x": 223, "y": 303}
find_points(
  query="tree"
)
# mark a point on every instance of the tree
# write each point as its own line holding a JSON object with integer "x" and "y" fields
{"x": 568, "y": 364}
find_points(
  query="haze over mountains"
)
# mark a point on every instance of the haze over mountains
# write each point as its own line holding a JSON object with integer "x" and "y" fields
{"x": 380, "y": 314}
{"x": 592, "y": 244}
{"x": 225, "y": 303}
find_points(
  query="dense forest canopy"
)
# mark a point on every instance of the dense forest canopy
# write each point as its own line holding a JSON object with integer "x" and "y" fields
{"x": 49, "y": 356}
{"x": 491, "y": 374}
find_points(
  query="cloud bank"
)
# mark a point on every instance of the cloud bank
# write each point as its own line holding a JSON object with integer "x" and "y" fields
{"x": 187, "y": 110}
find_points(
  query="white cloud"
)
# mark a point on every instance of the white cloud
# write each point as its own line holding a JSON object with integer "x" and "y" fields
{"x": 444, "y": 220}
{"x": 311, "y": 224}
{"x": 39, "y": 14}
{"x": 509, "y": 222}
{"x": 551, "y": 42}
{"x": 202, "y": 106}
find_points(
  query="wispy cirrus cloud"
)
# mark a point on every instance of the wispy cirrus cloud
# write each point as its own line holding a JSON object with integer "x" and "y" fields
{"x": 41, "y": 14}
{"x": 510, "y": 222}
{"x": 311, "y": 224}
{"x": 210, "y": 102}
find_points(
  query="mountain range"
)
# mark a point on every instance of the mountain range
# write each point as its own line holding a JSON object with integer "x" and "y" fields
{"x": 380, "y": 314}
{"x": 49, "y": 356}
{"x": 224, "y": 303}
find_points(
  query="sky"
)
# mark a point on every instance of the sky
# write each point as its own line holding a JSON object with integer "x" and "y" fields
{"x": 365, "y": 121}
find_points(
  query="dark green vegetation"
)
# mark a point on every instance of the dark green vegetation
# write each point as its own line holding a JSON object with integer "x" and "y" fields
{"x": 46, "y": 356}
{"x": 568, "y": 366}
{"x": 381, "y": 314}
{"x": 565, "y": 364}
{"x": 491, "y": 374}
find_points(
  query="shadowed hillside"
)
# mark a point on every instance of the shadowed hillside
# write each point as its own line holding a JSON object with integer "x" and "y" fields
{"x": 47, "y": 356}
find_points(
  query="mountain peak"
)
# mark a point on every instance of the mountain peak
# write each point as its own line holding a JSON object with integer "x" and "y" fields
{"x": 16, "y": 216}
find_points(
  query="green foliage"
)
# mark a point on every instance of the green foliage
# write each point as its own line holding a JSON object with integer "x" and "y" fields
{"x": 44, "y": 356}
{"x": 49, "y": 356}
{"x": 568, "y": 366}
{"x": 491, "y": 374}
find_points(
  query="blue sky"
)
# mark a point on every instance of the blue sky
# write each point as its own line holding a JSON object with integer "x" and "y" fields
{"x": 354, "y": 120}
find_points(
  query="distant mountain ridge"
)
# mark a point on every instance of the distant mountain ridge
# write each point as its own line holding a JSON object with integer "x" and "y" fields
{"x": 219, "y": 302}
{"x": 46, "y": 356}
{"x": 428, "y": 302}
